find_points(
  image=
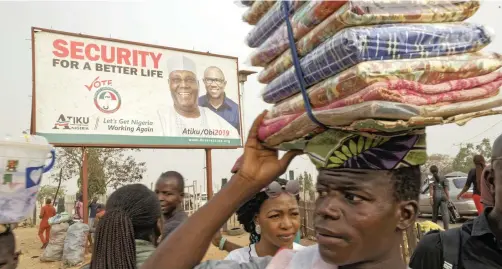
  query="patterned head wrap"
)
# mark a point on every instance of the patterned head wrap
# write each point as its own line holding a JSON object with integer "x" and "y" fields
{"x": 333, "y": 149}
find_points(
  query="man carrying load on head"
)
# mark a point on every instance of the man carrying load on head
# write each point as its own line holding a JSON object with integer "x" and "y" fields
{"x": 368, "y": 194}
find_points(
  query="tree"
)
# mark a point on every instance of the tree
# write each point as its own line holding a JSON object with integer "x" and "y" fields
{"x": 442, "y": 161}
{"x": 463, "y": 160}
{"x": 48, "y": 191}
{"x": 485, "y": 149}
{"x": 300, "y": 180}
{"x": 306, "y": 182}
{"x": 107, "y": 167}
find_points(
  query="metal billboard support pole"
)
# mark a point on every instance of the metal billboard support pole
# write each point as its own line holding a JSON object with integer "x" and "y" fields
{"x": 209, "y": 174}
{"x": 85, "y": 185}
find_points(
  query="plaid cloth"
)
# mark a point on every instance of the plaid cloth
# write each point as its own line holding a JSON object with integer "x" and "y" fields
{"x": 382, "y": 42}
{"x": 304, "y": 20}
{"x": 366, "y": 13}
{"x": 270, "y": 22}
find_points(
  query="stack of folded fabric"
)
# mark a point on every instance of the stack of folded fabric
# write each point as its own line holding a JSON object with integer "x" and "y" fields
{"x": 376, "y": 67}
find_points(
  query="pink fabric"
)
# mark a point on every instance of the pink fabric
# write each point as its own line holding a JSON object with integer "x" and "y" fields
{"x": 402, "y": 91}
{"x": 420, "y": 93}
{"x": 282, "y": 259}
{"x": 303, "y": 259}
{"x": 80, "y": 207}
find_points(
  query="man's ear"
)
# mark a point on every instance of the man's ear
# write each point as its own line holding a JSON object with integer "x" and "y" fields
{"x": 491, "y": 181}
{"x": 407, "y": 214}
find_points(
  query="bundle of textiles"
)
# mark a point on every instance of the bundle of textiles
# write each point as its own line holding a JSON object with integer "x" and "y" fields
{"x": 375, "y": 68}
{"x": 267, "y": 25}
{"x": 353, "y": 14}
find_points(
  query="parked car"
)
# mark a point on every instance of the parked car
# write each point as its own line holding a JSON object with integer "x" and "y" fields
{"x": 465, "y": 205}
{"x": 202, "y": 199}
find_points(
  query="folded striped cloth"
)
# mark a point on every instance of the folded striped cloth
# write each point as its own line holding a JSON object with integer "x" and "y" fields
{"x": 396, "y": 115}
{"x": 270, "y": 23}
{"x": 372, "y": 12}
{"x": 381, "y": 42}
{"x": 426, "y": 75}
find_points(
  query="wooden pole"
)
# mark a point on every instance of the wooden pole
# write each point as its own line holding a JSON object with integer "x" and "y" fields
{"x": 209, "y": 174}
{"x": 85, "y": 185}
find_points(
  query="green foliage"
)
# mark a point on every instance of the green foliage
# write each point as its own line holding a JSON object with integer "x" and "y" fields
{"x": 463, "y": 160}
{"x": 107, "y": 168}
{"x": 48, "y": 191}
{"x": 306, "y": 184}
{"x": 442, "y": 161}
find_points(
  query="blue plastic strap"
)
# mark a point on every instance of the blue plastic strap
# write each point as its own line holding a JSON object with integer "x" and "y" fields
{"x": 298, "y": 68}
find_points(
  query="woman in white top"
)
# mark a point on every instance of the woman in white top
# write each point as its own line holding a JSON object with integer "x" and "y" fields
{"x": 272, "y": 219}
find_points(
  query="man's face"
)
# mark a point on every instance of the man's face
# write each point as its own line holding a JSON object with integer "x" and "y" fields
{"x": 95, "y": 200}
{"x": 184, "y": 89}
{"x": 356, "y": 215}
{"x": 215, "y": 83}
{"x": 170, "y": 197}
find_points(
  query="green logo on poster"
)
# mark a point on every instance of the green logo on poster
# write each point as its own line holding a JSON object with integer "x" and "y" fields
{"x": 107, "y": 100}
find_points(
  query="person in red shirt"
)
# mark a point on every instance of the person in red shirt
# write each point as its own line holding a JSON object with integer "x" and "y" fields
{"x": 46, "y": 212}
{"x": 474, "y": 178}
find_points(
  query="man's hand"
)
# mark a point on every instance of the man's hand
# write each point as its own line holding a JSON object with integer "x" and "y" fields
{"x": 431, "y": 200}
{"x": 261, "y": 165}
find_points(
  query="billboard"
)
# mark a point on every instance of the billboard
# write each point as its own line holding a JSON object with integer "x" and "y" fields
{"x": 91, "y": 91}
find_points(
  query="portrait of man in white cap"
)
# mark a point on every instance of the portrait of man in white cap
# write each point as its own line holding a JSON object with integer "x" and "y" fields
{"x": 186, "y": 114}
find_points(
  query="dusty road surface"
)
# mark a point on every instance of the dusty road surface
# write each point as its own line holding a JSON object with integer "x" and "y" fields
{"x": 29, "y": 244}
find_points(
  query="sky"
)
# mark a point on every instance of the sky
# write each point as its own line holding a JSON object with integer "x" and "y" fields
{"x": 203, "y": 25}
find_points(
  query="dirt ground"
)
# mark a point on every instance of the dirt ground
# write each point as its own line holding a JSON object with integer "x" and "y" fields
{"x": 29, "y": 244}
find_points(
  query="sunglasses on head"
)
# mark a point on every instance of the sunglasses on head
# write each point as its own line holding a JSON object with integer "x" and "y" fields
{"x": 275, "y": 189}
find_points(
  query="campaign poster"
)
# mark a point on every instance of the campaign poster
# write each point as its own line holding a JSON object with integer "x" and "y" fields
{"x": 97, "y": 91}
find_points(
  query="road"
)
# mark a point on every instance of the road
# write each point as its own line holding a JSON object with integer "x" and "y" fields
{"x": 28, "y": 243}
{"x": 428, "y": 217}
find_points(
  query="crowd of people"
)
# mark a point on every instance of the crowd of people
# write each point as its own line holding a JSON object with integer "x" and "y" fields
{"x": 360, "y": 215}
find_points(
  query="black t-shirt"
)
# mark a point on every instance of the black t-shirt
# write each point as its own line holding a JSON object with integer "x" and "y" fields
{"x": 471, "y": 179}
{"x": 170, "y": 224}
{"x": 480, "y": 250}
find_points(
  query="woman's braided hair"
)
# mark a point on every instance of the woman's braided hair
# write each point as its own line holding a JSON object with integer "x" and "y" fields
{"x": 247, "y": 212}
{"x": 132, "y": 213}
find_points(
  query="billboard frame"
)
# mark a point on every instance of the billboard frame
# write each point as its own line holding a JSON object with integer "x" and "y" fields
{"x": 33, "y": 127}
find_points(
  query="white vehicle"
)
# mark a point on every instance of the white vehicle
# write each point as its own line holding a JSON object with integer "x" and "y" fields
{"x": 201, "y": 199}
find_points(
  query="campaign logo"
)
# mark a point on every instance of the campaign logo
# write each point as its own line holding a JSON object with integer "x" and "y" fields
{"x": 71, "y": 122}
{"x": 107, "y": 100}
